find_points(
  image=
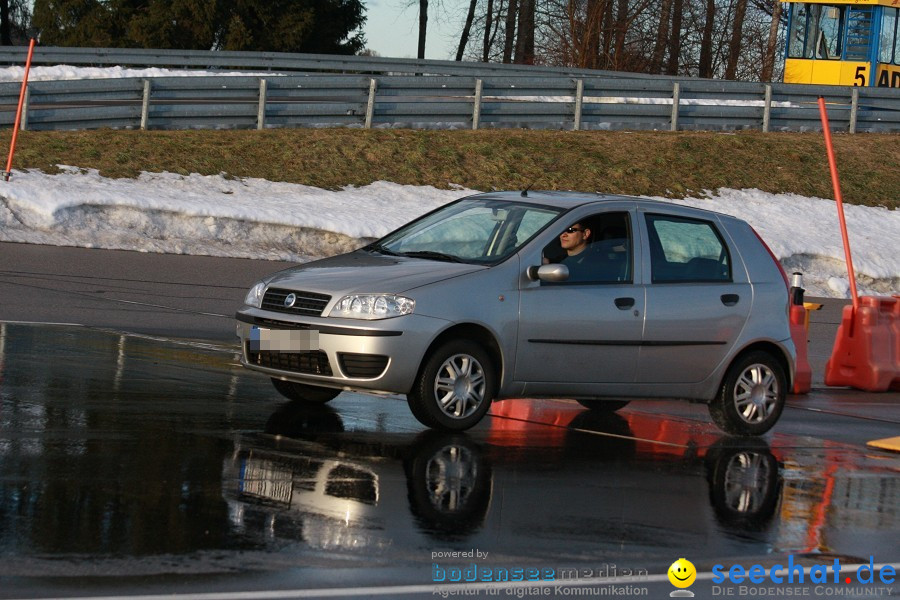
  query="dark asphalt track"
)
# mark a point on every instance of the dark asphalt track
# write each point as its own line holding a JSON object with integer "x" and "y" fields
{"x": 147, "y": 462}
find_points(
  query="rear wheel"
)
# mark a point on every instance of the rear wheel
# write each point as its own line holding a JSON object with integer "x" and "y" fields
{"x": 744, "y": 483}
{"x": 752, "y": 395}
{"x": 606, "y": 406}
{"x": 454, "y": 389}
{"x": 302, "y": 392}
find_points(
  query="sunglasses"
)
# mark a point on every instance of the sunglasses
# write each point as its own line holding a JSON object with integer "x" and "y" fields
{"x": 572, "y": 230}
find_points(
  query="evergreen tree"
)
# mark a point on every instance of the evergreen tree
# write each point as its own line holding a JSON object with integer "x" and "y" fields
{"x": 317, "y": 26}
{"x": 74, "y": 23}
{"x": 314, "y": 26}
{"x": 184, "y": 24}
{"x": 14, "y": 21}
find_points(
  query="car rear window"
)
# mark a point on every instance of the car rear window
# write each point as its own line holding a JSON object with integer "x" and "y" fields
{"x": 686, "y": 250}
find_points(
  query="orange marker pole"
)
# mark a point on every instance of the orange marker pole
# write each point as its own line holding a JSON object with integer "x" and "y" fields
{"x": 832, "y": 164}
{"x": 15, "y": 134}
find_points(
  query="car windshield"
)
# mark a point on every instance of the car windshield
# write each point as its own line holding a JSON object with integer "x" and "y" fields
{"x": 470, "y": 230}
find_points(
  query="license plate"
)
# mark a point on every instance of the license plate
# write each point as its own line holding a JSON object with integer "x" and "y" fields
{"x": 267, "y": 480}
{"x": 283, "y": 340}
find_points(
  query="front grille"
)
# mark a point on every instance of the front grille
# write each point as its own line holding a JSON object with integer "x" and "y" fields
{"x": 275, "y": 324}
{"x": 362, "y": 366}
{"x": 308, "y": 304}
{"x": 310, "y": 363}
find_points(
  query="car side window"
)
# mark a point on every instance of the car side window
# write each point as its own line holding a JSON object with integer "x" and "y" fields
{"x": 686, "y": 250}
{"x": 596, "y": 249}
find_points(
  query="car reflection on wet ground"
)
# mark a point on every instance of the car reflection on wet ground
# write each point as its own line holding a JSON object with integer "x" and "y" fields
{"x": 134, "y": 463}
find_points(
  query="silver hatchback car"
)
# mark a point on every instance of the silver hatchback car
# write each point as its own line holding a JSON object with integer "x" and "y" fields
{"x": 598, "y": 298}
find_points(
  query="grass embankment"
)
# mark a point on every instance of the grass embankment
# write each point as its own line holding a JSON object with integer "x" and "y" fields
{"x": 651, "y": 163}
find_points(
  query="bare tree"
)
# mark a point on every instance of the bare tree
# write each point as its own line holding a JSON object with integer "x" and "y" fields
{"x": 593, "y": 26}
{"x": 423, "y": 26}
{"x": 525, "y": 37}
{"x": 675, "y": 38}
{"x": 769, "y": 59}
{"x": 628, "y": 14}
{"x": 662, "y": 35}
{"x": 510, "y": 33}
{"x": 488, "y": 26}
{"x": 621, "y": 29}
{"x": 706, "y": 49}
{"x": 734, "y": 47}
{"x": 710, "y": 38}
{"x": 608, "y": 34}
{"x": 464, "y": 37}
{"x": 574, "y": 32}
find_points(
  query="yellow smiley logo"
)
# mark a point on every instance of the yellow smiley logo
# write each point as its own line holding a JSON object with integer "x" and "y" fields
{"x": 682, "y": 573}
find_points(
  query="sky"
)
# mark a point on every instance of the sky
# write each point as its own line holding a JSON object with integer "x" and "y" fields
{"x": 255, "y": 218}
{"x": 392, "y": 29}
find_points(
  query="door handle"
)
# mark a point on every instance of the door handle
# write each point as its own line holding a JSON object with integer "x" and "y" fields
{"x": 624, "y": 303}
{"x": 730, "y": 299}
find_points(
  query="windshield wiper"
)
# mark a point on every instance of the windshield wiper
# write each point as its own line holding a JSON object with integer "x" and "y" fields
{"x": 381, "y": 250}
{"x": 434, "y": 256}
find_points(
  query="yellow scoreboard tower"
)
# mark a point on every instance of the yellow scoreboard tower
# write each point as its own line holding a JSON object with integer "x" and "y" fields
{"x": 853, "y": 43}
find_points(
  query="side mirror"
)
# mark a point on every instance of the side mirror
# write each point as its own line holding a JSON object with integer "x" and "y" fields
{"x": 555, "y": 273}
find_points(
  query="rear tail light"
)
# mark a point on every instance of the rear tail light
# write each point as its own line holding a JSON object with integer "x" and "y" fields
{"x": 774, "y": 259}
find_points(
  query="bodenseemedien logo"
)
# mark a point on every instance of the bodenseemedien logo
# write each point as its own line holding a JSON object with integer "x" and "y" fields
{"x": 682, "y": 574}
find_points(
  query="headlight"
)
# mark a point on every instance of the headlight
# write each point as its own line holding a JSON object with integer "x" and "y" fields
{"x": 372, "y": 306}
{"x": 255, "y": 295}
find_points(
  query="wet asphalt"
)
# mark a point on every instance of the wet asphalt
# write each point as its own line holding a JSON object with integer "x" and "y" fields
{"x": 135, "y": 461}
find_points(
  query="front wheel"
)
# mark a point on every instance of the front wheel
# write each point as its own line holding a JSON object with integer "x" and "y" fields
{"x": 752, "y": 395}
{"x": 449, "y": 484}
{"x": 454, "y": 388}
{"x": 302, "y": 392}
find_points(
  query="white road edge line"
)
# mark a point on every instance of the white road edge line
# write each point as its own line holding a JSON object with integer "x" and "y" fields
{"x": 43, "y": 323}
{"x": 437, "y": 587}
{"x": 223, "y": 347}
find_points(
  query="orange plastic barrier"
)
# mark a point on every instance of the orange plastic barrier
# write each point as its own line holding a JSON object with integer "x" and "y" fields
{"x": 866, "y": 351}
{"x": 803, "y": 375}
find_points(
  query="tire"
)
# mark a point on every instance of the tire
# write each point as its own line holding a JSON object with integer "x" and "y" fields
{"x": 302, "y": 392}
{"x": 752, "y": 395}
{"x": 616, "y": 441}
{"x": 744, "y": 483}
{"x": 449, "y": 485}
{"x": 300, "y": 418}
{"x": 606, "y": 406}
{"x": 454, "y": 387}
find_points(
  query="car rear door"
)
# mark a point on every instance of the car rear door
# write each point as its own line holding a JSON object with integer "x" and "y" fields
{"x": 698, "y": 296}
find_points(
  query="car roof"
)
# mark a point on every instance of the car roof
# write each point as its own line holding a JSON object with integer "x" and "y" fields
{"x": 570, "y": 200}
{"x": 552, "y": 198}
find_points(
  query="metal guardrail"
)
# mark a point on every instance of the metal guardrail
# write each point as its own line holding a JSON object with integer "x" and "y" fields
{"x": 472, "y": 101}
{"x": 281, "y": 62}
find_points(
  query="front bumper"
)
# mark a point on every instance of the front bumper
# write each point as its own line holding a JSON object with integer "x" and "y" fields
{"x": 380, "y": 356}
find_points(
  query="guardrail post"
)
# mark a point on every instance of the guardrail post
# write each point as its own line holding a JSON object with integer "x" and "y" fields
{"x": 476, "y": 110}
{"x": 145, "y": 105}
{"x": 767, "y": 109}
{"x": 24, "y": 124}
{"x": 579, "y": 99}
{"x": 261, "y": 110}
{"x": 370, "y": 105}
{"x": 676, "y": 98}
{"x": 854, "y": 109}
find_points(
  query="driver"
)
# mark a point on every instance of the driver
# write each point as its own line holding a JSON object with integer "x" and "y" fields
{"x": 574, "y": 240}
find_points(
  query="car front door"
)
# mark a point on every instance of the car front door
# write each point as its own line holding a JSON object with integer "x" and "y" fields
{"x": 697, "y": 300}
{"x": 588, "y": 329}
